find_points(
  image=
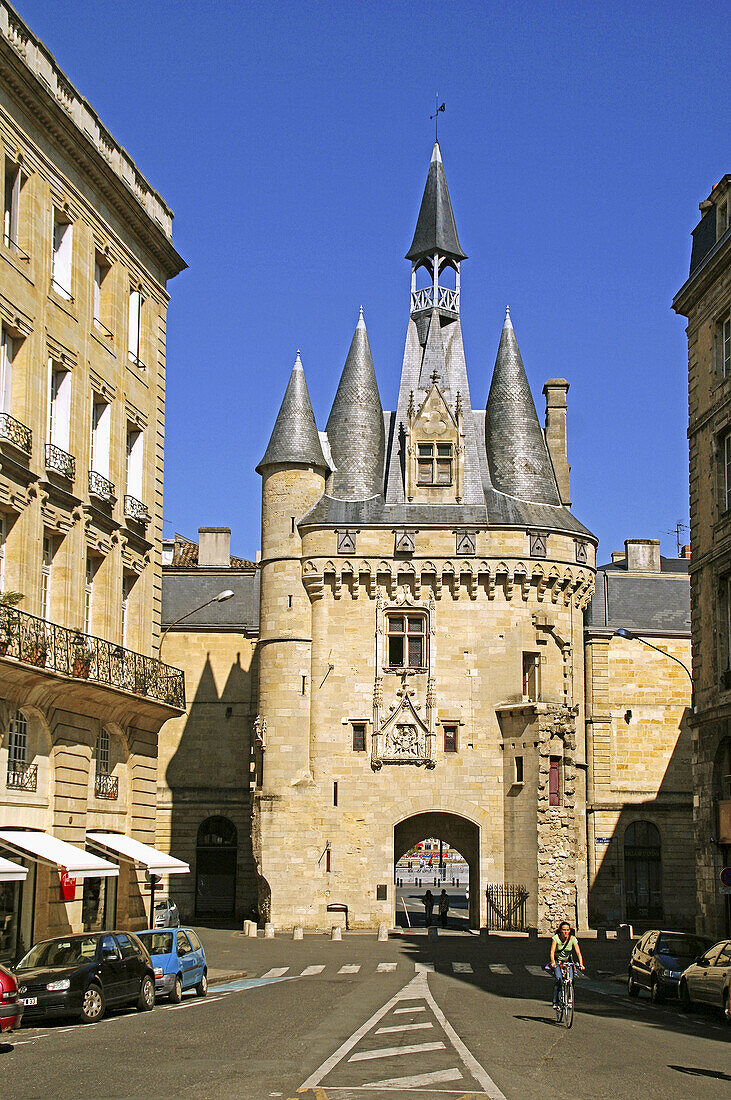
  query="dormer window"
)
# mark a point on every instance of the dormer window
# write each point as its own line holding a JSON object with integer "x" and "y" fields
{"x": 406, "y": 641}
{"x": 435, "y": 463}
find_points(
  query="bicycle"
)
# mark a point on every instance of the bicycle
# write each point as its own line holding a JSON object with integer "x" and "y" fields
{"x": 565, "y": 1006}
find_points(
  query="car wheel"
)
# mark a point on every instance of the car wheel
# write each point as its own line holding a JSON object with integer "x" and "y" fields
{"x": 176, "y": 993}
{"x": 633, "y": 989}
{"x": 656, "y": 994}
{"x": 202, "y": 987}
{"x": 685, "y": 997}
{"x": 146, "y": 999}
{"x": 93, "y": 1005}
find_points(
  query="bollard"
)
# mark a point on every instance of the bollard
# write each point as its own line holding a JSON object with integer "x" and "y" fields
{"x": 484, "y": 933}
{"x": 601, "y": 934}
{"x": 250, "y": 928}
{"x": 297, "y": 933}
{"x": 269, "y": 931}
{"x": 336, "y": 932}
{"x": 382, "y": 932}
{"x": 625, "y": 932}
{"x": 432, "y": 932}
{"x": 532, "y": 933}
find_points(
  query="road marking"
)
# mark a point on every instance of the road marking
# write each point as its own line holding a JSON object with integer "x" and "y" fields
{"x": 539, "y": 972}
{"x": 462, "y": 968}
{"x": 385, "y": 968}
{"x": 192, "y": 1004}
{"x": 351, "y": 968}
{"x": 249, "y": 983}
{"x": 404, "y": 1027}
{"x": 393, "y": 1052}
{"x": 440, "y": 1076}
{"x": 310, "y": 970}
{"x": 500, "y": 968}
{"x": 276, "y": 972}
{"x": 416, "y": 1008}
{"x": 424, "y": 968}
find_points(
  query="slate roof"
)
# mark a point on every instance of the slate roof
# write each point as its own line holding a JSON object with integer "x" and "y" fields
{"x": 355, "y": 429}
{"x": 651, "y": 602}
{"x": 183, "y": 591}
{"x": 294, "y": 437}
{"x": 436, "y": 230}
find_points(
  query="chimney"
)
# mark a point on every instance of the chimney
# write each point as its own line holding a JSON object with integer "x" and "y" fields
{"x": 555, "y": 391}
{"x": 214, "y": 547}
{"x": 643, "y": 555}
{"x": 617, "y": 556}
{"x": 685, "y": 551}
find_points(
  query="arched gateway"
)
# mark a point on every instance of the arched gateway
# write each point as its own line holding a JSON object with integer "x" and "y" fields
{"x": 455, "y": 831}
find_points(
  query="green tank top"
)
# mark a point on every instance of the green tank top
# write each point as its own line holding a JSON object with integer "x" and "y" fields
{"x": 563, "y": 950}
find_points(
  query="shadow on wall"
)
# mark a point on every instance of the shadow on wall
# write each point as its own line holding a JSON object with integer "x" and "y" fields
{"x": 645, "y": 866}
{"x": 209, "y": 779}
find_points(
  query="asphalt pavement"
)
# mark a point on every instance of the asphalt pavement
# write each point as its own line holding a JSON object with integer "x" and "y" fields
{"x": 446, "y": 1017}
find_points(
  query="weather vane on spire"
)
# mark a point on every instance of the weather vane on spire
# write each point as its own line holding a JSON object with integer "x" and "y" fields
{"x": 439, "y": 107}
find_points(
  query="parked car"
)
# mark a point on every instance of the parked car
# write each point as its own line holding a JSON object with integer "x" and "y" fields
{"x": 81, "y": 975}
{"x": 166, "y": 914}
{"x": 179, "y": 962}
{"x": 706, "y": 981}
{"x": 11, "y": 1010}
{"x": 658, "y": 960}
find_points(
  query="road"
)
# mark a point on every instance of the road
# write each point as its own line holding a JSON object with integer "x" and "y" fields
{"x": 434, "y": 1018}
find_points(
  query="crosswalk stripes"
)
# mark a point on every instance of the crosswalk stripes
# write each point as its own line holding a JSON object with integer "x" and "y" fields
{"x": 462, "y": 968}
{"x": 500, "y": 968}
{"x": 310, "y": 971}
{"x": 386, "y": 968}
{"x": 276, "y": 972}
{"x": 349, "y": 968}
{"x": 538, "y": 972}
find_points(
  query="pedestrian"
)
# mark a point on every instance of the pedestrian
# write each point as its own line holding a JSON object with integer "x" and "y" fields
{"x": 428, "y": 901}
{"x": 443, "y": 908}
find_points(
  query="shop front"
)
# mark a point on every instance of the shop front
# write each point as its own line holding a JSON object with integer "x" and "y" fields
{"x": 134, "y": 856}
{"x": 16, "y": 918}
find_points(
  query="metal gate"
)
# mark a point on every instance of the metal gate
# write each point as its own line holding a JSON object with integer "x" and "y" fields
{"x": 506, "y": 907}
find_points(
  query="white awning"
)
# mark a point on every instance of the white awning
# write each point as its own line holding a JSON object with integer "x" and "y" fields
{"x": 49, "y": 849}
{"x": 157, "y": 863}
{"x": 11, "y": 872}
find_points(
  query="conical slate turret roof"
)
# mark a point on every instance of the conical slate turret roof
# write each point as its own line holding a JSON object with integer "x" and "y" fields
{"x": 436, "y": 230}
{"x": 516, "y": 449}
{"x": 355, "y": 429}
{"x": 294, "y": 437}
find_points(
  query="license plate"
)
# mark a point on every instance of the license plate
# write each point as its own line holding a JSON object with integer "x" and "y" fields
{"x": 29, "y": 1000}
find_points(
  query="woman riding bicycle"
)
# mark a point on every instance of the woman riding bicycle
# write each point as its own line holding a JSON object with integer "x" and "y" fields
{"x": 563, "y": 943}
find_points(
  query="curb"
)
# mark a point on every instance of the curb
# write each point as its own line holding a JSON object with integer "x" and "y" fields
{"x": 228, "y": 977}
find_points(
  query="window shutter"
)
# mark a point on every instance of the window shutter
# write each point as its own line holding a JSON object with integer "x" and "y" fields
{"x": 553, "y": 783}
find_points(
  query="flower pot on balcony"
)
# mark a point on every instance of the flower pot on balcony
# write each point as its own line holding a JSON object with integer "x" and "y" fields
{"x": 4, "y": 643}
{"x": 81, "y": 667}
{"x": 37, "y": 654}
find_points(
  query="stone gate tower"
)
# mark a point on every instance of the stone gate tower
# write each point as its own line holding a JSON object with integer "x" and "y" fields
{"x": 421, "y": 659}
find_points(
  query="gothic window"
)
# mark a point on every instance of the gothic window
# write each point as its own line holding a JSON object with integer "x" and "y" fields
{"x": 434, "y": 463}
{"x": 406, "y": 641}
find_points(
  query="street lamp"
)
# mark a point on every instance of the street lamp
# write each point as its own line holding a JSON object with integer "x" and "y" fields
{"x": 622, "y": 632}
{"x": 220, "y": 598}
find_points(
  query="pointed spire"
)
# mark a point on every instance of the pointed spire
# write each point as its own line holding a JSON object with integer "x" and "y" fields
{"x": 294, "y": 438}
{"x": 516, "y": 449}
{"x": 436, "y": 230}
{"x": 355, "y": 426}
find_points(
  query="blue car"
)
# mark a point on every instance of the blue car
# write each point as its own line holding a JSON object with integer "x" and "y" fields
{"x": 179, "y": 962}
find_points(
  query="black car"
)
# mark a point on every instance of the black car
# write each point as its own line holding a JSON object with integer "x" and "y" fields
{"x": 81, "y": 975}
{"x": 659, "y": 959}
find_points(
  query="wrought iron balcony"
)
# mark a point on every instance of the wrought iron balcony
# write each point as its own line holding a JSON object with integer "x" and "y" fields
{"x": 15, "y": 248}
{"x": 22, "y": 777}
{"x": 106, "y": 786}
{"x": 135, "y": 509}
{"x": 12, "y": 431}
{"x": 447, "y": 299}
{"x": 101, "y": 487}
{"x": 60, "y": 462}
{"x": 34, "y": 641}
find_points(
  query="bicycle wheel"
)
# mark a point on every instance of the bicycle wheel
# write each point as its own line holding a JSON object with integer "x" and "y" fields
{"x": 568, "y": 1006}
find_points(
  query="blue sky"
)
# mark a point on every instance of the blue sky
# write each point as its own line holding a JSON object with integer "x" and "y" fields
{"x": 292, "y": 141}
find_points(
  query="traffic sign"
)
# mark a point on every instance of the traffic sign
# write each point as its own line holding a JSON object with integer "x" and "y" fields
{"x": 726, "y": 876}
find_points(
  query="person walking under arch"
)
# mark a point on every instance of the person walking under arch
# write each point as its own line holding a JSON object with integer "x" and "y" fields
{"x": 443, "y": 908}
{"x": 428, "y": 901}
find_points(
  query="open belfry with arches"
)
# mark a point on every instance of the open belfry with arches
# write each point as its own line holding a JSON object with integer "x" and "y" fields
{"x": 420, "y": 655}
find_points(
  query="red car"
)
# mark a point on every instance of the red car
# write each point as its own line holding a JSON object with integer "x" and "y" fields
{"x": 11, "y": 1010}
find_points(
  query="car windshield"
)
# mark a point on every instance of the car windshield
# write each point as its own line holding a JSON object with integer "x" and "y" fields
{"x": 161, "y": 904}
{"x": 73, "y": 951}
{"x": 681, "y": 947}
{"x": 158, "y": 943}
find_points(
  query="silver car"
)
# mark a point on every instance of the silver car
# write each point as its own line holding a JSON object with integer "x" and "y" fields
{"x": 166, "y": 914}
{"x": 706, "y": 981}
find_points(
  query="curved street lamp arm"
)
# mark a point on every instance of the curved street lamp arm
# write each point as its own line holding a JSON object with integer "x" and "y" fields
{"x": 180, "y": 620}
{"x": 638, "y": 638}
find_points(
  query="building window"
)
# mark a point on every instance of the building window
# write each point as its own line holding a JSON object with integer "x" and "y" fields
{"x": 49, "y": 549}
{"x": 359, "y": 736}
{"x": 14, "y": 180}
{"x": 135, "y": 328}
{"x": 91, "y": 570}
{"x": 725, "y": 472}
{"x": 722, "y": 346}
{"x": 554, "y": 782}
{"x": 531, "y": 676}
{"x": 101, "y": 310}
{"x": 450, "y": 737}
{"x": 7, "y": 354}
{"x": 406, "y": 641}
{"x": 3, "y": 536}
{"x": 102, "y": 752}
{"x": 63, "y": 234}
{"x": 59, "y": 405}
{"x": 434, "y": 463}
{"x": 101, "y": 419}
{"x": 135, "y": 444}
{"x": 127, "y": 583}
{"x": 519, "y": 769}
{"x": 17, "y": 747}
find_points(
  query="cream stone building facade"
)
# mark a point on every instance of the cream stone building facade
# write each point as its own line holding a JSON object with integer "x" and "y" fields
{"x": 705, "y": 300}
{"x": 638, "y": 741}
{"x": 85, "y": 256}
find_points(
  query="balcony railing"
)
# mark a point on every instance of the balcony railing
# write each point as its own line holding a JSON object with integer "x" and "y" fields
{"x": 34, "y": 641}
{"x": 135, "y": 509}
{"x": 423, "y": 299}
{"x": 106, "y": 786}
{"x": 135, "y": 359}
{"x": 22, "y": 777}
{"x": 102, "y": 328}
{"x": 101, "y": 487}
{"x": 60, "y": 462}
{"x": 15, "y": 248}
{"x": 12, "y": 431}
{"x": 61, "y": 290}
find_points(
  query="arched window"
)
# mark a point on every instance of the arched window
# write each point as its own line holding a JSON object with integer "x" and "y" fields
{"x": 643, "y": 871}
{"x": 215, "y": 868}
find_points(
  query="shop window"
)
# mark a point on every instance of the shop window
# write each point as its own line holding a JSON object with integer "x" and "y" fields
{"x": 406, "y": 641}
